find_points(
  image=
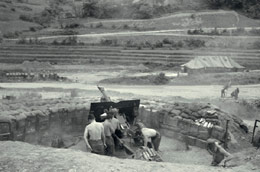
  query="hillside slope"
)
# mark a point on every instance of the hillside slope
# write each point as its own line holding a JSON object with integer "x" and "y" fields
{"x": 186, "y": 20}
{"x": 11, "y": 11}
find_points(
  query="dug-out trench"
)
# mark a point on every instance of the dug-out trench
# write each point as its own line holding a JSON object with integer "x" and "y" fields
{"x": 44, "y": 123}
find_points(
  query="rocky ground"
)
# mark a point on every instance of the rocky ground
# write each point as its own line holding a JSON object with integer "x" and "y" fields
{"x": 18, "y": 156}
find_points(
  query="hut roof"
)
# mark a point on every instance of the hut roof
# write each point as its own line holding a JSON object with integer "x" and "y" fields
{"x": 212, "y": 62}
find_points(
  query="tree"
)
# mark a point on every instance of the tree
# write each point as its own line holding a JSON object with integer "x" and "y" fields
{"x": 90, "y": 8}
{"x": 143, "y": 11}
{"x": 216, "y": 3}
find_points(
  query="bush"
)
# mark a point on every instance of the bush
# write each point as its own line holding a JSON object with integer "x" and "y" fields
{"x": 109, "y": 42}
{"x": 72, "y": 40}
{"x": 66, "y": 32}
{"x": 256, "y": 45}
{"x": 250, "y": 7}
{"x": 161, "y": 79}
{"x": 11, "y": 35}
{"x": 55, "y": 42}
{"x": 26, "y": 17}
{"x": 143, "y": 11}
{"x": 129, "y": 43}
{"x": 72, "y": 26}
{"x": 158, "y": 44}
{"x": 99, "y": 25}
{"x": 147, "y": 44}
{"x": 113, "y": 26}
{"x": 32, "y": 29}
{"x": 126, "y": 26}
{"x": 255, "y": 32}
{"x": 166, "y": 41}
{"x": 195, "y": 43}
{"x": 22, "y": 40}
{"x": 178, "y": 44}
{"x": 90, "y": 9}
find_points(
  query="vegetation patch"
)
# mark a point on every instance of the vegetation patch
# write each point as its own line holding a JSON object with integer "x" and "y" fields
{"x": 237, "y": 78}
{"x": 159, "y": 79}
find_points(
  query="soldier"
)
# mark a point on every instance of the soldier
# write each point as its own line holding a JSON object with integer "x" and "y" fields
{"x": 150, "y": 136}
{"x": 94, "y": 136}
{"x": 235, "y": 93}
{"x": 108, "y": 130}
{"x": 217, "y": 151}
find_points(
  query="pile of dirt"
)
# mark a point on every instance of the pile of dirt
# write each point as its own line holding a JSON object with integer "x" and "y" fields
{"x": 159, "y": 79}
{"x": 25, "y": 157}
{"x": 248, "y": 156}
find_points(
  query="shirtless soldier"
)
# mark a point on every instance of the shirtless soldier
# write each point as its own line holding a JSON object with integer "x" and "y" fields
{"x": 94, "y": 136}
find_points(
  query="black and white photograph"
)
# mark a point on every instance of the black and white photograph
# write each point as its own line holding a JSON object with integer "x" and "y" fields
{"x": 129, "y": 85}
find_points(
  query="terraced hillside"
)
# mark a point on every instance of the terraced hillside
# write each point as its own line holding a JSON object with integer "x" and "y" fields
{"x": 86, "y": 54}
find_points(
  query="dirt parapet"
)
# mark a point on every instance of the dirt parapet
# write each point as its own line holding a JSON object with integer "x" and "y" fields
{"x": 194, "y": 123}
{"x": 33, "y": 121}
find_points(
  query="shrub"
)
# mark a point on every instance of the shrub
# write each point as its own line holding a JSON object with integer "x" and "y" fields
{"x": 195, "y": 43}
{"x": 113, "y": 26}
{"x": 22, "y": 40}
{"x": 147, "y": 44}
{"x": 180, "y": 44}
{"x": 143, "y": 11}
{"x": 65, "y": 32}
{"x": 26, "y": 17}
{"x": 109, "y": 42}
{"x": 158, "y": 44}
{"x": 99, "y": 25}
{"x": 139, "y": 47}
{"x": 72, "y": 26}
{"x": 256, "y": 45}
{"x": 55, "y": 42}
{"x": 11, "y": 35}
{"x": 161, "y": 79}
{"x": 126, "y": 26}
{"x": 166, "y": 41}
{"x": 72, "y": 40}
{"x": 90, "y": 9}
{"x": 193, "y": 16}
{"x": 255, "y": 31}
{"x": 129, "y": 43}
{"x": 3, "y": 6}
{"x": 32, "y": 29}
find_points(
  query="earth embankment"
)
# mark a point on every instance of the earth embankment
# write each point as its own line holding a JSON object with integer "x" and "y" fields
{"x": 26, "y": 157}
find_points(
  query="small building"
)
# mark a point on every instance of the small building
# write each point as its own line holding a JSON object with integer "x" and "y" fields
{"x": 211, "y": 64}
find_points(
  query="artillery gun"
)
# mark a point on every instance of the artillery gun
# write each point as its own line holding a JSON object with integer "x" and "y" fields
{"x": 129, "y": 138}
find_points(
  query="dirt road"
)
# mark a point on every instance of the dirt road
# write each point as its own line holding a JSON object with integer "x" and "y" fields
{"x": 188, "y": 92}
{"x": 173, "y": 32}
